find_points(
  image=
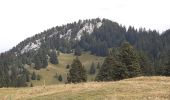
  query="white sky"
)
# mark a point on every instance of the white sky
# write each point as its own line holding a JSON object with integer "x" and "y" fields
{"x": 20, "y": 19}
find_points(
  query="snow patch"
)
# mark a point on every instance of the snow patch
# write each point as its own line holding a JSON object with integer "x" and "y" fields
{"x": 53, "y": 34}
{"x": 88, "y": 27}
{"x": 61, "y": 36}
{"x": 31, "y": 46}
{"x": 67, "y": 35}
{"x": 99, "y": 24}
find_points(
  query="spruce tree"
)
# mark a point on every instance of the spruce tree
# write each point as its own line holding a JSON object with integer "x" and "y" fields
{"x": 146, "y": 67}
{"x": 38, "y": 77}
{"x": 31, "y": 85}
{"x": 111, "y": 70}
{"x": 77, "y": 72}
{"x": 166, "y": 68}
{"x": 77, "y": 51}
{"x": 130, "y": 59}
{"x": 60, "y": 78}
{"x": 40, "y": 59}
{"x": 33, "y": 76}
{"x": 53, "y": 57}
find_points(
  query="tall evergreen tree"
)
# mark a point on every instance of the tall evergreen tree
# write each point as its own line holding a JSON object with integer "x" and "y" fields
{"x": 77, "y": 72}
{"x": 146, "y": 67}
{"x": 41, "y": 59}
{"x": 111, "y": 70}
{"x": 60, "y": 78}
{"x": 33, "y": 76}
{"x": 77, "y": 51}
{"x": 53, "y": 57}
{"x": 130, "y": 59}
{"x": 166, "y": 68}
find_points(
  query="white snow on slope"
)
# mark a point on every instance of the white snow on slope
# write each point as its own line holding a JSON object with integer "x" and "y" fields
{"x": 53, "y": 34}
{"x": 67, "y": 35}
{"x": 99, "y": 24}
{"x": 88, "y": 28}
{"x": 31, "y": 46}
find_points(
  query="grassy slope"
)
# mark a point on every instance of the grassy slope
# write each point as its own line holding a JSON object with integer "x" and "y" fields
{"x": 141, "y": 88}
{"x": 64, "y": 59}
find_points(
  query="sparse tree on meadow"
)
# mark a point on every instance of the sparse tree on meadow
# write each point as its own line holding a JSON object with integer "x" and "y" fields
{"x": 77, "y": 72}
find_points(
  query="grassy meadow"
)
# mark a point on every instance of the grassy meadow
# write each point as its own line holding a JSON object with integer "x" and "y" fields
{"x": 48, "y": 74}
{"x": 140, "y": 88}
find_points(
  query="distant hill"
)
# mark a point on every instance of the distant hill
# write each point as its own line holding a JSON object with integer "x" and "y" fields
{"x": 97, "y": 36}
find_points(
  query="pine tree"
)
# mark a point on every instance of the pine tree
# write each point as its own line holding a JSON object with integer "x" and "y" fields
{"x": 146, "y": 67}
{"x": 60, "y": 78}
{"x": 31, "y": 85}
{"x": 68, "y": 66}
{"x": 38, "y": 77}
{"x": 111, "y": 70}
{"x": 77, "y": 72}
{"x": 53, "y": 57}
{"x": 166, "y": 68}
{"x": 33, "y": 76}
{"x": 40, "y": 59}
{"x": 77, "y": 51}
{"x": 129, "y": 58}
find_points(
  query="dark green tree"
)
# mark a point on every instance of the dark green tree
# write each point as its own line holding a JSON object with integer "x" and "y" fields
{"x": 60, "y": 78}
{"x": 130, "y": 59}
{"x": 33, "y": 76}
{"x": 166, "y": 68}
{"x": 146, "y": 68}
{"x": 77, "y": 51}
{"x": 111, "y": 70}
{"x": 31, "y": 85}
{"x": 77, "y": 72}
{"x": 38, "y": 77}
{"x": 53, "y": 57}
{"x": 41, "y": 59}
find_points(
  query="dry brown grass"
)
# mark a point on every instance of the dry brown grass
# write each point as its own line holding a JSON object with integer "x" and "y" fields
{"x": 140, "y": 88}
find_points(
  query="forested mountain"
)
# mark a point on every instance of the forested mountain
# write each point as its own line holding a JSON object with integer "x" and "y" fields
{"x": 99, "y": 36}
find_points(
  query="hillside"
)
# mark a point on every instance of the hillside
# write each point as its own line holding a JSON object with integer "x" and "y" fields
{"x": 140, "y": 88}
{"x": 96, "y": 37}
{"x": 48, "y": 74}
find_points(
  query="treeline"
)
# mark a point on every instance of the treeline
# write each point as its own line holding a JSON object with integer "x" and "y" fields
{"x": 121, "y": 63}
{"x": 153, "y": 48}
{"x": 110, "y": 35}
{"x": 12, "y": 70}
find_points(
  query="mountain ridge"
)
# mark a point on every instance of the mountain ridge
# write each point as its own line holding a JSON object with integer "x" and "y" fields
{"x": 98, "y": 37}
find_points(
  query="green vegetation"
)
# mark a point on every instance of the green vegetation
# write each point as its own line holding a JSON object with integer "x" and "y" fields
{"x": 60, "y": 78}
{"x": 40, "y": 59}
{"x": 125, "y": 64}
{"x": 53, "y": 57}
{"x": 77, "y": 72}
{"x": 49, "y": 74}
{"x": 133, "y": 52}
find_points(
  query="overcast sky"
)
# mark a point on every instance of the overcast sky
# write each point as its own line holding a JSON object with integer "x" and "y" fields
{"x": 20, "y": 19}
